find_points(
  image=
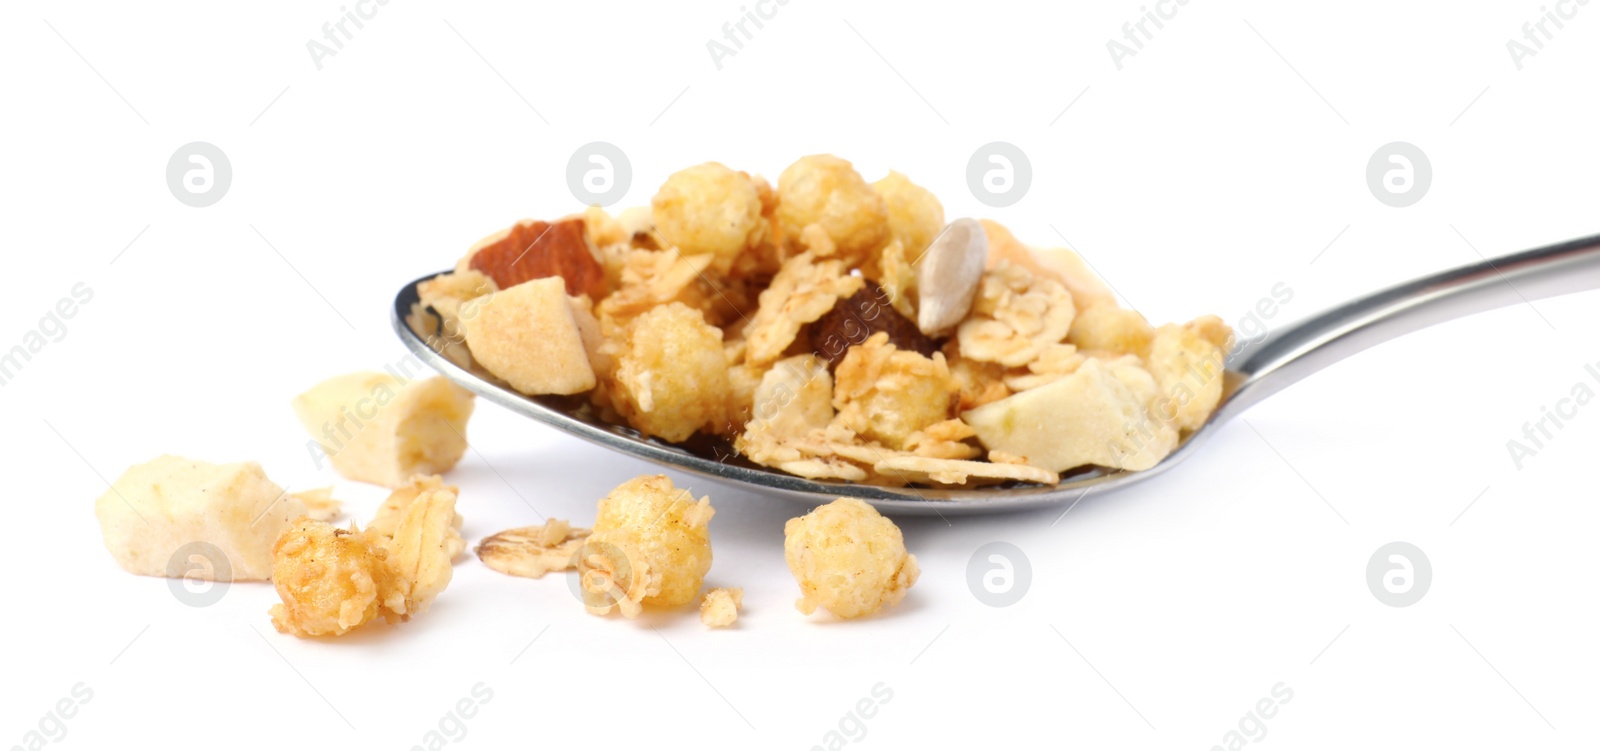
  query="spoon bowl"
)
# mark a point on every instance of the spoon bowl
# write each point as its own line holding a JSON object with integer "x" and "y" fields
{"x": 1255, "y": 370}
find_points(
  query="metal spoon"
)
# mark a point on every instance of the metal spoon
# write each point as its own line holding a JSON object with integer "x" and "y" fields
{"x": 1254, "y": 373}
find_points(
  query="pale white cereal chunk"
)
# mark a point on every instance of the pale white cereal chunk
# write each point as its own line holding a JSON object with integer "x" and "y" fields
{"x": 156, "y": 509}
{"x": 376, "y": 428}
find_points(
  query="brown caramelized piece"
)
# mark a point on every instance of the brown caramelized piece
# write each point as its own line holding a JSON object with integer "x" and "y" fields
{"x": 863, "y": 314}
{"x": 535, "y": 250}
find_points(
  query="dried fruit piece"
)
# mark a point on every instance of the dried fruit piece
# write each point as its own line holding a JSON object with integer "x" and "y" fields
{"x": 377, "y": 428}
{"x": 1107, "y": 328}
{"x": 852, "y": 320}
{"x": 848, "y": 559}
{"x": 720, "y": 608}
{"x": 533, "y": 551}
{"x": 1099, "y": 415}
{"x": 536, "y": 250}
{"x": 1188, "y": 363}
{"x": 529, "y": 336}
{"x": 156, "y": 508}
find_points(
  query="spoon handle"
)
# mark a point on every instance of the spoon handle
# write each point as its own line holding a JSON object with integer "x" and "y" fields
{"x": 1283, "y": 358}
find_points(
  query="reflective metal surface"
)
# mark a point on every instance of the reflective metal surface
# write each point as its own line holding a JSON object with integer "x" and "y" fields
{"x": 1256, "y": 370}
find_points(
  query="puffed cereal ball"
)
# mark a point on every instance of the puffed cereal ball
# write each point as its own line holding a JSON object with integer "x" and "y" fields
{"x": 663, "y": 526}
{"x": 825, "y": 190}
{"x": 671, "y": 375}
{"x": 915, "y": 215}
{"x": 327, "y": 577}
{"x": 848, "y": 559}
{"x": 709, "y": 208}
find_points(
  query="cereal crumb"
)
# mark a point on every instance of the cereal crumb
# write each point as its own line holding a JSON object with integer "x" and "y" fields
{"x": 720, "y": 607}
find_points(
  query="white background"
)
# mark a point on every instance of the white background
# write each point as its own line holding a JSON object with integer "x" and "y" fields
{"x": 1222, "y": 159}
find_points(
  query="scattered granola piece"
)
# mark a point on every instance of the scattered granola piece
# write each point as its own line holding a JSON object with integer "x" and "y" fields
{"x": 533, "y": 551}
{"x": 848, "y": 559}
{"x": 320, "y": 504}
{"x": 156, "y": 508}
{"x": 377, "y": 428}
{"x": 386, "y": 523}
{"x": 720, "y": 607}
{"x": 328, "y": 579}
{"x": 651, "y": 545}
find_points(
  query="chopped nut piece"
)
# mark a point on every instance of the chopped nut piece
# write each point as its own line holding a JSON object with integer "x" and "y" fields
{"x": 720, "y": 608}
{"x": 533, "y": 551}
{"x": 537, "y": 250}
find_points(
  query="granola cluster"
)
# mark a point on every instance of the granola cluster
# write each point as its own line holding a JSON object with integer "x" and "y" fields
{"x": 829, "y": 327}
